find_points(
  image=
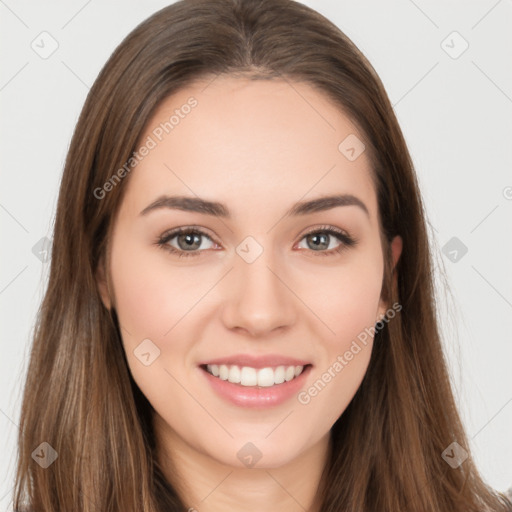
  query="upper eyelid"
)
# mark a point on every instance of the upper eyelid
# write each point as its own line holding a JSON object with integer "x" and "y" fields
{"x": 171, "y": 233}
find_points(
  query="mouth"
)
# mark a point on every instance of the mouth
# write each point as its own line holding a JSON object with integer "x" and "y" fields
{"x": 248, "y": 376}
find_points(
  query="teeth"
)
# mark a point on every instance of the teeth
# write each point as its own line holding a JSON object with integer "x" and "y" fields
{"x": 266, "y": 377}
{"x": 279, "y": 374}
{"x": 234, "y": 375}
{"x": 223, "y": 372}
{"x": 247, "y": 376}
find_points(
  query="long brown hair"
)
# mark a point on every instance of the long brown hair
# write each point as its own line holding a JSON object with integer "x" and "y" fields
{"x": 80, "y": 397}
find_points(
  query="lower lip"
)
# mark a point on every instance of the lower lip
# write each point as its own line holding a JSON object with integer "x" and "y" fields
{"x": 254, "y": 396}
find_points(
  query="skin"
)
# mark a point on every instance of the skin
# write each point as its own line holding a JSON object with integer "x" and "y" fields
{"x": 258, "y": 147}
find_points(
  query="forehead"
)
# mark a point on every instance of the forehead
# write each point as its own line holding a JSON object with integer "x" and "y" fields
{"x": 241, "y": 141}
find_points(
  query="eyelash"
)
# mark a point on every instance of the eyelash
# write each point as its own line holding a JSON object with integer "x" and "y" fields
{"x": 346, "y": 240}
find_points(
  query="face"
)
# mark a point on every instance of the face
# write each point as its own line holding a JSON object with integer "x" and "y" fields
{"x": 261, "y": 279}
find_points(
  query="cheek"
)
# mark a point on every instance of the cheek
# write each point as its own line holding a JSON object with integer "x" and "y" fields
{"x": 151, "y": 295}
{"x": 155, "y": 298}
{"x": 346, "y": 298}
{"x": 348, "y": 305}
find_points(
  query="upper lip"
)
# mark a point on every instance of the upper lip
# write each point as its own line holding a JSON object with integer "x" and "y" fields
{"x": 255, "y": 361}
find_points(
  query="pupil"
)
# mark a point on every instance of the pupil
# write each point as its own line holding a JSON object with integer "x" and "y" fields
{"x": 190, "y": 239}
{"x": 317, "y": 236}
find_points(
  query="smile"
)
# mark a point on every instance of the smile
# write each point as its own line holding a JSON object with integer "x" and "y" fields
{"x": 248, "y": 376}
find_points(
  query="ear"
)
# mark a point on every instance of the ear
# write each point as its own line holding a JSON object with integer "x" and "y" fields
{"x": 396, "y": 251}
{"x": 102, "y": 282}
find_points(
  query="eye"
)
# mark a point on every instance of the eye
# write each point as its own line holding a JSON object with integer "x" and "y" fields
{"x": 188, "y": 239}
{"x": 322, "y": 237}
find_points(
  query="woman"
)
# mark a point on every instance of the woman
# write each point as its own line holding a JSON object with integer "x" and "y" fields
{"x": 244, "y": 366}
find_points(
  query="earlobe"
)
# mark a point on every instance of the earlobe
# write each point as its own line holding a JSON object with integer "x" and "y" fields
{"x": 396, "y": 251}
{"x": 102, "y": 284}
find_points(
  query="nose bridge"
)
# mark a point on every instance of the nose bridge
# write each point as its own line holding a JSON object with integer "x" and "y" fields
{"x": 260, "y": 301}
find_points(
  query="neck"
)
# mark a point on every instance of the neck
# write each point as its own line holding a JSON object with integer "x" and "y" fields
{"x": 208, "y": 485}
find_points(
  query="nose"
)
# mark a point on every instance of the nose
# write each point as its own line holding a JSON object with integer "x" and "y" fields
{"x": 260, "y": 300}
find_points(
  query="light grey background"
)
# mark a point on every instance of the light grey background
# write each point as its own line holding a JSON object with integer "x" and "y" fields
{"x": 456, "y": 114}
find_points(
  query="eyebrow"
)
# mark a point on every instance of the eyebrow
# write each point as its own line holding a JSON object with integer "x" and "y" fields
{"x": 199, "y": 205}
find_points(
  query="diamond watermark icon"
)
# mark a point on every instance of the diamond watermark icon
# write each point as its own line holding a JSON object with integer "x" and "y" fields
{"x": 44, "y": 455}
{"x": 41, "y": 250}
{"x": 454, "y": 249}
{"x": 249, "y": 455}
{"x": 249, "y": 249}
{"x": 351, "y": 147}
{"x": 454, "y": 455}
{"x": 45, "y": 45}
{"x": 146, "y": 352}
{"x": 454, "y": 45}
